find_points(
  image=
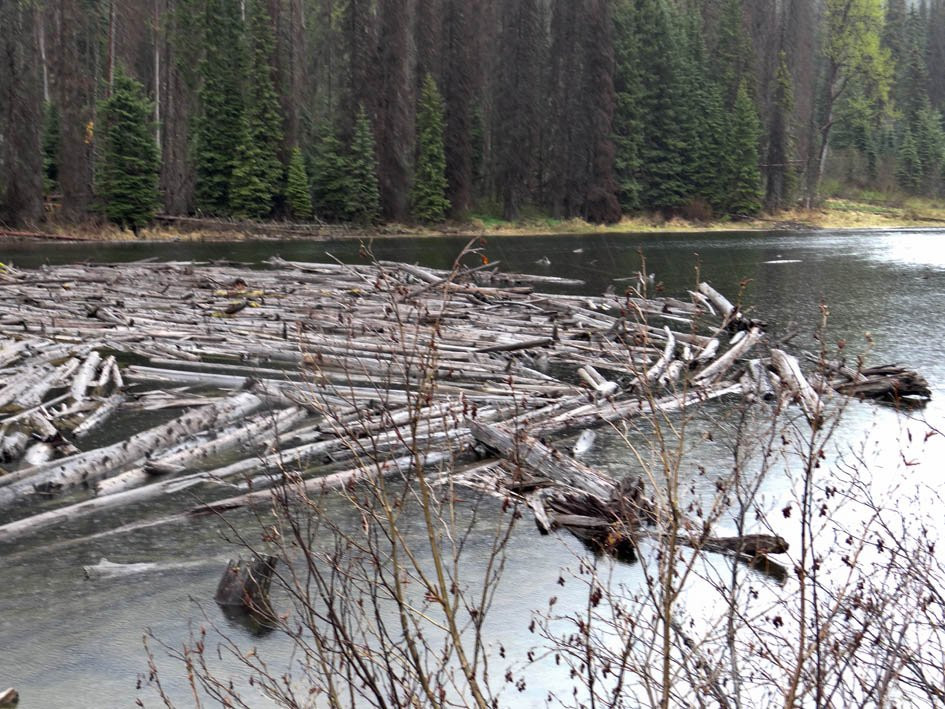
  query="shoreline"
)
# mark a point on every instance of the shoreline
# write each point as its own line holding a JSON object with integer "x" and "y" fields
{"x": 837, "y": 216}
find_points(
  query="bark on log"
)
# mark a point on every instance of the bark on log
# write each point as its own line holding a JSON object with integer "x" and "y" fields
{"x": 94, "y": 465}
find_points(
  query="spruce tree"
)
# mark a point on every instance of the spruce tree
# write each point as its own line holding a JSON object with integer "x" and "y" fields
{"x": 744, "y": 180}
{"x": 908, "y": 164}
{"x": 128, "y": 163}
{"x": 363, "y": 204}
{"x": 297, "y": 194}
{"x": 664, "y": 163}
{"x": 628, "y": 120}
{"x": 331, "y": 180}
{"x": 257, "y": 172}
{"x": 220, "y": 123}
{"x": 930, "y": 146}
{"x": 428, "y": 196}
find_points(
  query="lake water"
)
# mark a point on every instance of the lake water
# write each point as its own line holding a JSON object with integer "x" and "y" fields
{"x": 66, "y": 641}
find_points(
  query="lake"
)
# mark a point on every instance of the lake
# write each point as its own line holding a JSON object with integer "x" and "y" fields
{"x": 69, "y": 641}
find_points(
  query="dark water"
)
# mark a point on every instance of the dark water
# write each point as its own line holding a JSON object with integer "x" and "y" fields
{"x": 66, "y": 641}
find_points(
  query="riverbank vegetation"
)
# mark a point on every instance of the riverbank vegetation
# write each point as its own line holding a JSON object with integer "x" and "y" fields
{"x": 405, "y": 113}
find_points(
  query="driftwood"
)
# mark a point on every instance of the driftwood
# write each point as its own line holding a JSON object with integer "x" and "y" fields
{"x": 602, "y": 512}
{"x": 376, "y": 361}
{"x": 9, "y": 697}
{"x": 245, "y": 585}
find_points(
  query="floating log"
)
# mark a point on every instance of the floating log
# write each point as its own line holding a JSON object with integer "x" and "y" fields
{"x": 600, "y": 511}
{"x": 382, "y": 357}
{"x": 793, "y": 378}
{"x": 9, "y": 697}
{"x": 94, "y": 465}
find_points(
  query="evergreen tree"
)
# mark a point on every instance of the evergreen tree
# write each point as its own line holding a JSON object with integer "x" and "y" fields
{"x": 744, "y": 181}
{"x": 331, "y": 179}
{"x": 664, "y": 164}
{"x": 908, "y": 167}
{"x": 733, "y": 54}
{"x": 930, "y": 146}
{"x": 128, "y": 164}
{"x": 363, "y": 204}
{"x": 257, "y": 172}
{"x": 297, "y": 194}
{"x": 428, "y": 196}
{"x": 628, "y": 119}
{"x": 220, "y": 125}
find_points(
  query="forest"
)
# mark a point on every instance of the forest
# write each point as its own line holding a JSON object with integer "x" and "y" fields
{"x": 369, "y": 111}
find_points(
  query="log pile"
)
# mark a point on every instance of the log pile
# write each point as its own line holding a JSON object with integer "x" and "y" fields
{"x": 329, "y": 373}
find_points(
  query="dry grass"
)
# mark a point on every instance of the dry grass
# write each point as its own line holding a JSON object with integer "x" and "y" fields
{"x": 836, "y": 213}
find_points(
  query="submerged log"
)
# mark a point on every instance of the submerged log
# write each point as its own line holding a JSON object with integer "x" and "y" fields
{"x": 245, "y": 584}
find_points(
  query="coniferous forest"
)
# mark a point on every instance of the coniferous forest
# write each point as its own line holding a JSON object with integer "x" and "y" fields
{"x": 366, "y": 111}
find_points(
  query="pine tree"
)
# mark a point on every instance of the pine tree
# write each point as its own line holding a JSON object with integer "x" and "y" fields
{"x": 257, "y": 172}
{"x": 664, "y": 164}
{"x": 628, "y": 121}
{"x": 428, "y": 196}
{"x": 297, "y": 194}
{"x": 220, "y": 124}
{"x": 744, "y": 181}
{"x": 908, "y": 165}
{"x": 128, "y": 164}
{"x": 363, "y": 204}
{"x": 331, "y": 179}
{"x": 930, "y": 146}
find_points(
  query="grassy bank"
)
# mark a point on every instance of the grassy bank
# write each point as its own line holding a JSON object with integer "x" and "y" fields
{"x": 835, "y": 213}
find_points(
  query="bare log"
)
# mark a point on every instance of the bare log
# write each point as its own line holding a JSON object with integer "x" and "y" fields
{"x": 94, "y": 465}
{"x": 793, "y": 378}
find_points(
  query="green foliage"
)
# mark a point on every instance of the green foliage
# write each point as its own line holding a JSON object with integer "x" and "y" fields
{"x": 297, "y": 194}
{"x": 664, "y": 163}
{"x": 428, "y": 196}
{"x": 628, "y": 120}
{"x": 743, "y": 193}
{"x": 128, "y": 163}
{"x": 930, "y": 146}
{"x": 51, "y": 141}
{"x": 909, "y": 166}
{"x": 257, "y": 172}
{"x": 363, "y": 204}
{"x": 220, "y": 127}
{"x": 331, "y": 179}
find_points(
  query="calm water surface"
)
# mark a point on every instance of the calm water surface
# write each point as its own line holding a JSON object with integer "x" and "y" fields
{"x": 66, "y": 641}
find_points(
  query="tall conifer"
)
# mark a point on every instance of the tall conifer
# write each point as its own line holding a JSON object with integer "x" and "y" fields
{"x": 298, "y": 196}
{"x": 428, "y": 196}
{"x": 128, "y": 164}
{"x": 743, "y": 194}
{"x": 220, "y": 124}
{"x": 257, "y": 171}
{"x": 363, "y": 204}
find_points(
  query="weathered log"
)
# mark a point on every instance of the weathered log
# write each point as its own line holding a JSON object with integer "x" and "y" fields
{"x": 94, "y": 465}
{"x": 791, "y": 375}
{"x": 9, "y": 697}
{"x": 265, "y": 427}
{"x": 720, "y": 366}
